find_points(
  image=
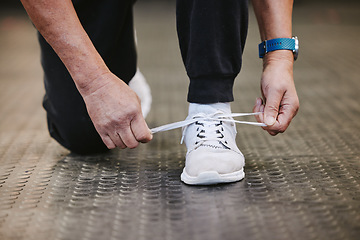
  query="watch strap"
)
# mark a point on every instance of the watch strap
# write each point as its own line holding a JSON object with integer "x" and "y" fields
{"x": 276, "y": 44}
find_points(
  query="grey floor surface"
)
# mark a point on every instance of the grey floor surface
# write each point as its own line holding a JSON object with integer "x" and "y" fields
{"x": 304, "y": 184}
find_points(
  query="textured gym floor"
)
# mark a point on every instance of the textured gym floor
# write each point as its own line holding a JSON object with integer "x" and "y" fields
{"x": 303, "y": 184}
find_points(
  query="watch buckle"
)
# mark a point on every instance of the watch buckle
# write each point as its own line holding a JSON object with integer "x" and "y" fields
{"x": 265, "y": 47}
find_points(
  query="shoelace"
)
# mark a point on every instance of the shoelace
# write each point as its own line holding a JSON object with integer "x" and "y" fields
{"x": 209, "y": 133}
{"x": 202, "y": 117}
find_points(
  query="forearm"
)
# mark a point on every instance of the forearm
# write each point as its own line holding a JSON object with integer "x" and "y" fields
{"x": 58, "y": 23}
{"x": 274, "y": 18}
{"x": 275, "y": 21}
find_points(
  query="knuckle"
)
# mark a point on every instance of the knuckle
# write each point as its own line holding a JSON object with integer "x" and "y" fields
{"x": 272, "y": 108}
{"x": 279, "y": 87}
{"x": 132, "y": 110}
{"x": 133, "y": 145}
{"x": 110, "y": 146}
{"x": 282, "y": 130}
{"x": 146, "y": 140}
{"x": 275, "y": 130}
{"x": 272, "y": 133}
{"x": 297, "y": 103}
{"x": 297, "y": 107}
{"x": 142, "y": 137}
{"x": 120, "y": 123}
{"x": 107, "y": 125}
{"x": 122, "y": 146}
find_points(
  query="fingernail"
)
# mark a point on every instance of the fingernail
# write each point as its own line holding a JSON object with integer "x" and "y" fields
{"x": 258, "y": 101}
{"x": 262, "y": 108}
{"x": 270, "y": 121}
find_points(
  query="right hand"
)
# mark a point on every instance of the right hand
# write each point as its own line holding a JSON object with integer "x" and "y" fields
{"x": 115, "y": 111}
{"x": 280, "y": 102}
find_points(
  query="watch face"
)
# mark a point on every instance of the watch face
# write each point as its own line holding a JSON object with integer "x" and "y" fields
{"x": 296, "y": 51}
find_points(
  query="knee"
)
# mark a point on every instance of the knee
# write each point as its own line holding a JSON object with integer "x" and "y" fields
{"x": 78, "y": 136}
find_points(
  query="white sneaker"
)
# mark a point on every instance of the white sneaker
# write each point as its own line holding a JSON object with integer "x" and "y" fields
{"x": 209, "y": 133}
{"x": 212, "y": 155}
{"x": 142, "y": 89}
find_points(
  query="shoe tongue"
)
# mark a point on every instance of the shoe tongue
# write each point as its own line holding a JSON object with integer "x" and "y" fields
{"x": 209, "y": 109}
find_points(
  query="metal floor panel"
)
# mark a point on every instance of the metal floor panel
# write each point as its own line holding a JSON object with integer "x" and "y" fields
{"x": 304, "y": 184}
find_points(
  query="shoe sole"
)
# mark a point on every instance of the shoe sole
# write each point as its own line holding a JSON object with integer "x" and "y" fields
{"x": 212, "y": 177}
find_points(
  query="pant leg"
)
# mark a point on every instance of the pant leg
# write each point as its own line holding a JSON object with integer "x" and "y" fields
{"x": 212, "y": 36}
{"x": 109, "y": 24}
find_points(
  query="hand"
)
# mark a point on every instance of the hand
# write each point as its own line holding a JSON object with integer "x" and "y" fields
{"x": 280, "y": 102}
{"x": 115, "y": 111}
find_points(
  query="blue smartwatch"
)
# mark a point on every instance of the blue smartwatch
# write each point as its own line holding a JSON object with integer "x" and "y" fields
{"x": 279, "y": 44}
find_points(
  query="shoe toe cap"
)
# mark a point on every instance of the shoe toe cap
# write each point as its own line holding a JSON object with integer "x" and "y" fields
{"x": 221, "y": 161}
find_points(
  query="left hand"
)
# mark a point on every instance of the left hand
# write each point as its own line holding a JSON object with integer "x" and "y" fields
{"x": 280, "y": 102}
{"x": 115, "y": 110}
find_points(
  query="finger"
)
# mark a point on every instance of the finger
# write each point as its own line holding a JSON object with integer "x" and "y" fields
{"x": 121, "y": 143}
{"x": 274, "y": 129}
{"x": 287, "y": 113}
{"x": 108, "y": 142}
{"x": 261, "y": 116}
{"x": 256, "y": 109}
{"x": 117, "y": 140}
{"x": 140, "y": 129}
{"x": 284, "y": 120}
{"x": 288, "y": 110}
{"x": 257, "y": 105}
{"x": 272, "y": 133}
{"x": 128, "y": 138}
{"x": 271, "y": 109}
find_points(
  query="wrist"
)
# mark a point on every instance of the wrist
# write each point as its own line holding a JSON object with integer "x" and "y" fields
{"x": 280, "y": 56}
{"x": 291, "y": 44}
{"x": 89, "y": 82}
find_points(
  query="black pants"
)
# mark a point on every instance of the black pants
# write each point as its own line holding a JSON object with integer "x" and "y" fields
{"x": 211, "y": 34}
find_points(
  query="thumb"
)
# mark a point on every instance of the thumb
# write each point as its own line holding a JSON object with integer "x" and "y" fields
{"x": 140, "y": 129}
{"x": 271, "y": 109}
